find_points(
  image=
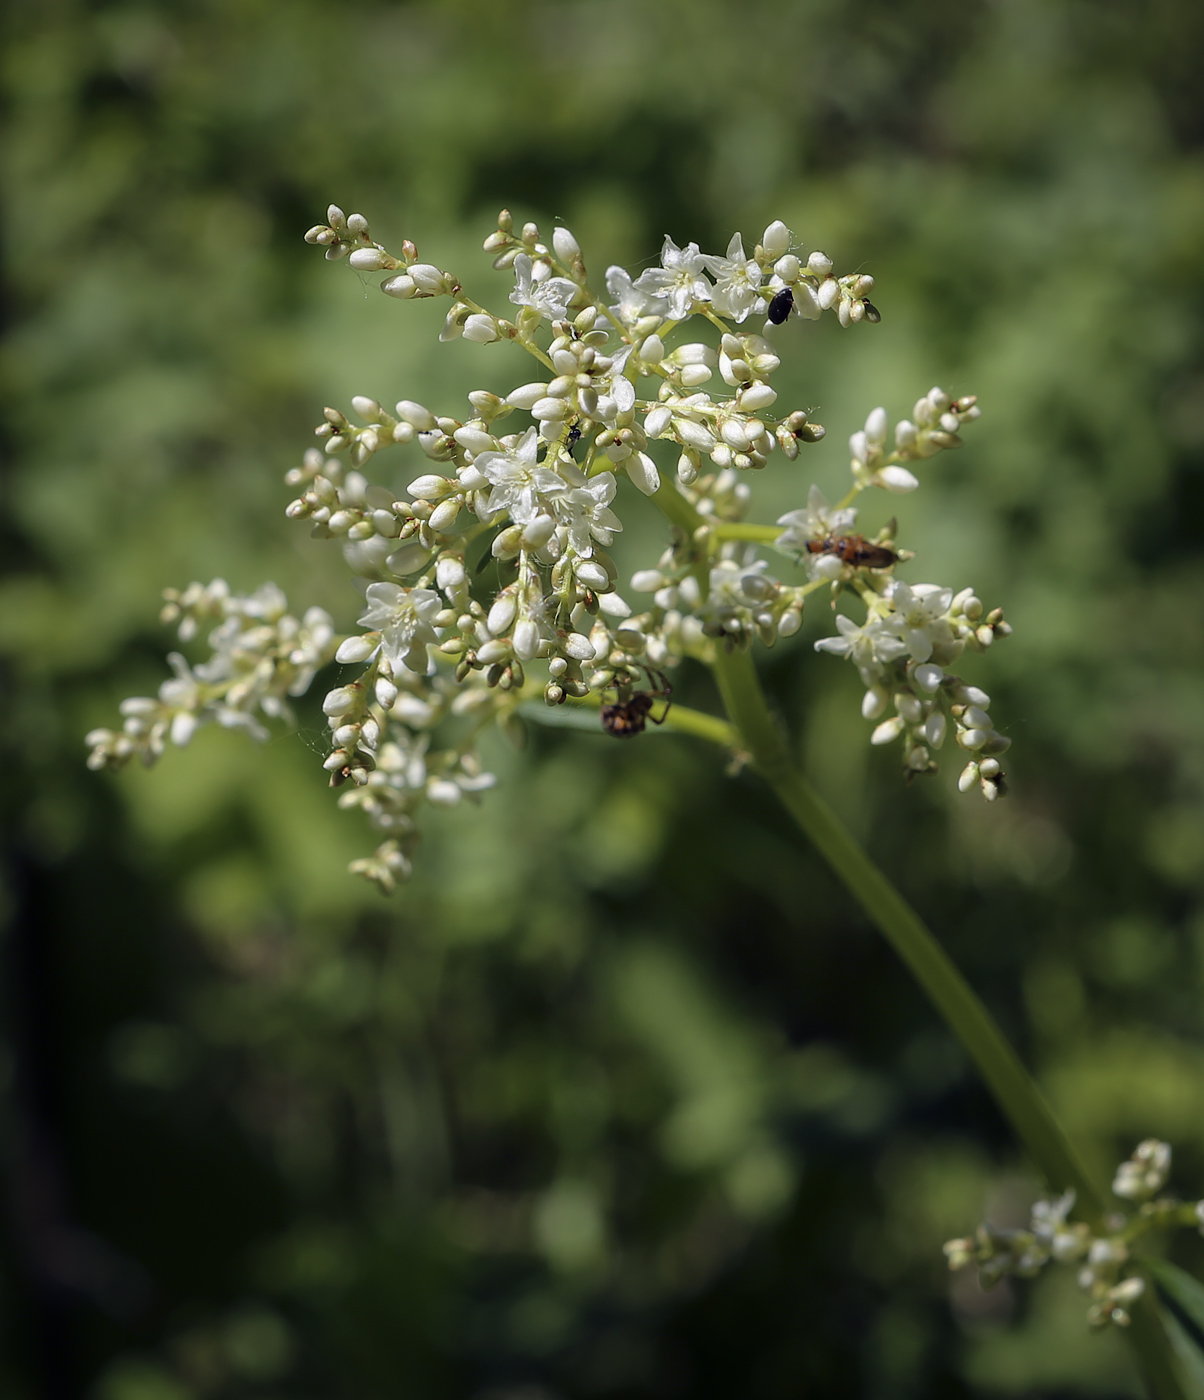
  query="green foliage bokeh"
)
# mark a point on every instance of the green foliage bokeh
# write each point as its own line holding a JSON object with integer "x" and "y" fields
{"x": 620, "y": 1097}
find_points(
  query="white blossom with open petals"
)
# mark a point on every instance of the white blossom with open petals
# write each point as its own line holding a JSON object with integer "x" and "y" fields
{"x": 584, "y": 509}
{"x": 405, "y": 619}
{"x": 632, "y": 300}
{"x": 868, "y": 647}
{"x": 679, "y": 279}
{"x": 536, "y": 287}
{"x": 521, "y": 485}
{"x": 919, "y": 618}
{"x": 737, "y": 279}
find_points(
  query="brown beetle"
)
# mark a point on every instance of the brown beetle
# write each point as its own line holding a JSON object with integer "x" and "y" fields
{"x": 854, "y": 550}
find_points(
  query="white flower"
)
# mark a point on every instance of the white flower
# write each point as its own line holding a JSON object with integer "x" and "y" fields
{"x": 919, "y": 616}
{"x": 1145, "y": 1172}
{"x": 584, "y": 509}
{"x": 522, "y": 486}
{"x": 1049, "y": 1216}
{"x": 527, "y": 489}
{"x": 869, "y": 647}
{"x": 405, "y": 619}
{"x": 736, "y": 585}
{"x": 536, "y": 287}
{"x": 633, "y": 301}
{"x": 817, "y": 522}
{"x": 310, "y": 643}
{"x": 736, "y": 281}
{"x": 739, "y": 596}
{"x": 679, "y": 279}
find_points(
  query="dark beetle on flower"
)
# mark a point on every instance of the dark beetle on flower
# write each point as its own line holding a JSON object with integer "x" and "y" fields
{"x": 781, "y": 305}
{"x": 855, "y": 550}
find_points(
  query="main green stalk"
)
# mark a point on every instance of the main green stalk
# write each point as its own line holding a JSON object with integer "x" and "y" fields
{"x": 1013, "y": 1088}
{"x": 970, "y": 1021}
{"x": 1021, "y": 1101}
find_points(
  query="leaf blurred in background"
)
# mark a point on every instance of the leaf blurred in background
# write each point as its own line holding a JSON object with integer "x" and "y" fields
{"x": 620, "y": 1099}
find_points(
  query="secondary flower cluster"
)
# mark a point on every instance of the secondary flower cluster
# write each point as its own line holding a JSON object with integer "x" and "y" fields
{"x": 488, "y": 576}
{"x": 1102, "y": 1258}
{"x": 260, "y": 656}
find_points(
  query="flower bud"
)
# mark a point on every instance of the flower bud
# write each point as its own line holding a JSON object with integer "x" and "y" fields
{"x": 591, "y": 574}
{"x": 643, "y": 473}
{"x": 431, "y": 487}
{"x": 526, "y": 395}
{"x": 652, "y": 350}
{"x": 340, "y": 700}
{"x": 402, "y": 286}
{"x": 501, "y": 614}
{"x": 526, "y": 639}
{"x": 386, "y": 692}
{"x": 494, "y": 652}
{"x": 776, "y": 240}
{"x": 539, "y": 531}
{"x": 428, "y": 278}
{"x": 565, "y": 245}
{"x": 909, "y": 707}
{"x": 480, "y": 329}
{"x": 873, "y": 702}
{"x": 507, "y": 542}
{"x": 756, "y": 397}
{"x": 896, "y": 478}
{"x": 356, "y": 649}
{"x": 887, "y": 731}
{"x": 443, "y": 517}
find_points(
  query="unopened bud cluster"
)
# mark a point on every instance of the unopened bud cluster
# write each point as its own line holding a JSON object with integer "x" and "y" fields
{"x": 489, "y": 577}
{"x": 1103, "y": 1258}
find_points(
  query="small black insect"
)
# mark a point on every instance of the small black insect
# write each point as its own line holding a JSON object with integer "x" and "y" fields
{"x": 574, "y": 438}
{"x": 781, "y": 306}
{"x": 626, "y": 718}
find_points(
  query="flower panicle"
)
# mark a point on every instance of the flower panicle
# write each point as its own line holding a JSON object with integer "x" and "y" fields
{"x": 260, "y": 657}
{"x": 1104, "y": 1256}
{"x": 488, "y": 576}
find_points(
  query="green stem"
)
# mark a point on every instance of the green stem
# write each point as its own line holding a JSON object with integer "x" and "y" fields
{"x": 1155, "y": 1353}
{"x": 1014, "y": 1090}
{"x": 969, "y": 1019}
{"x": 1021, "y": 1101}
{"x": 740, "y": 530}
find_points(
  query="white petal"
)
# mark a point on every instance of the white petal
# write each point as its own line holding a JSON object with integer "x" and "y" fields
{"x": 642, "y": 471}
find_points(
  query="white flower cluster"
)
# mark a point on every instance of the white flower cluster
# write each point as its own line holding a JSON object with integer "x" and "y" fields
{"x": 261, "y": 655}
{"x": 1102, "y": 1257}
{"x": 489, "y": 577}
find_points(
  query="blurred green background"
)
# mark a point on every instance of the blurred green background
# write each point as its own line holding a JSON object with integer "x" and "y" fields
{"x": 620, "y": 1097}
